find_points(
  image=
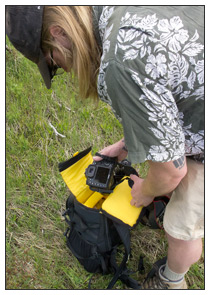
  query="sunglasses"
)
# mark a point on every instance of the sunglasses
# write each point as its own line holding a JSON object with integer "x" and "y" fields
{"x": 55, "y": 70}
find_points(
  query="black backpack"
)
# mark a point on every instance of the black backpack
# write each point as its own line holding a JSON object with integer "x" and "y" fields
{"x": 98, "y": 224}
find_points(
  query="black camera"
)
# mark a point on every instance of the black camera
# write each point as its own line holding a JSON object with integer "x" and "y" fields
{"x": 101, "y": 175}
{"x": 104, "y": 175}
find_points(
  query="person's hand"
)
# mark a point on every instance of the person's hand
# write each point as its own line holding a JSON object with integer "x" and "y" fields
{"x": 115, "y": 150}
{"x": 138, "y": 199}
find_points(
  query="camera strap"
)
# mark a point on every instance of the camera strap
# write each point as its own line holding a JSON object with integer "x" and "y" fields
{"x": 109, "y": 159}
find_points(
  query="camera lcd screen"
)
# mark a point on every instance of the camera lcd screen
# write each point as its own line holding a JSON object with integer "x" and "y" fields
{"x": 102, "y": 174}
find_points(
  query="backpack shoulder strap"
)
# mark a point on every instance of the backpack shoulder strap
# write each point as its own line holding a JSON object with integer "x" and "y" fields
{"x": 121, "y": 271}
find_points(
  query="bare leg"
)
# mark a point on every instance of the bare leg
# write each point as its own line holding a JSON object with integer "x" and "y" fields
{"x": 182, "y": 254}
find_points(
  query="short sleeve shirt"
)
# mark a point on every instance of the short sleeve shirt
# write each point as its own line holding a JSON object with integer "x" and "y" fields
{"x": 152, "y": 76}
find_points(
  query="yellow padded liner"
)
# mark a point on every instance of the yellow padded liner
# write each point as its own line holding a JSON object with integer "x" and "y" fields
{"x": 93, "y": 200}
{"x": 118, "y": 204}
{"x": 75, "y": 179}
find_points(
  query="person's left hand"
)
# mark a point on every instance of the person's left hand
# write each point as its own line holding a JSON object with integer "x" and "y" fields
{"x": 138, "y": 199}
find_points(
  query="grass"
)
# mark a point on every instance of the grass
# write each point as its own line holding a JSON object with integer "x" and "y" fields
{"x": 36, "y": 253}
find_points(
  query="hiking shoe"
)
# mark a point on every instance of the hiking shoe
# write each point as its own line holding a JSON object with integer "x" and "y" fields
{"x": 155, "y": 279}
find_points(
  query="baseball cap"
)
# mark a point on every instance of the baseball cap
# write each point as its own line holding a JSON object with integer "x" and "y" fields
{"x": 24, "y": 29}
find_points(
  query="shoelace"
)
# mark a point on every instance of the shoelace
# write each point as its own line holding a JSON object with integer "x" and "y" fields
{"x": 154, "y": 283}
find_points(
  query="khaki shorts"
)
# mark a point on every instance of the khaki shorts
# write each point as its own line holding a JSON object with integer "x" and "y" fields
{"x": 184, "y": 215}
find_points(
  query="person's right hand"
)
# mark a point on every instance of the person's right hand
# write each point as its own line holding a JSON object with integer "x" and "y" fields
{"x": 115, "y": 150}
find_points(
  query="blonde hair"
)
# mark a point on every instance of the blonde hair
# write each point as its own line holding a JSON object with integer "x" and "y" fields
{"x": 84, "y": 56}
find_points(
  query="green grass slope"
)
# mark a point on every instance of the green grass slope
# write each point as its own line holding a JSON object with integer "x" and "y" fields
{"x": 43, "y": 128}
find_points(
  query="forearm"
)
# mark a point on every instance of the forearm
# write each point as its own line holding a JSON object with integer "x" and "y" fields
{"x": 123, "y": 145}
{"x": 155, "y": 185}
{"x": 162, "y": 181}
{"x": 122, "y": 150}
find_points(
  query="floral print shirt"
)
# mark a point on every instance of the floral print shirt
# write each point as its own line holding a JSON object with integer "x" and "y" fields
{"x": 152, "y": 76}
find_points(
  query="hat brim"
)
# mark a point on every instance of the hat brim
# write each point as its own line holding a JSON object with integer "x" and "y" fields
{"x": 44, "y": 70}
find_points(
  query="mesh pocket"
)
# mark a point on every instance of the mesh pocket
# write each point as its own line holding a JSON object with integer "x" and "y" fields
{"x": 85, "y": 252}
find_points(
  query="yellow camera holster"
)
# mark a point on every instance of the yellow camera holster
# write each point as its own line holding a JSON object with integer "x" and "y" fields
{"x": 116, "y": 204}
